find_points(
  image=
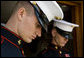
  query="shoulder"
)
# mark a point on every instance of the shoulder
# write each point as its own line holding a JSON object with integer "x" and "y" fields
{"x": 9, "y": 47}
{"x": 9, "y": 50}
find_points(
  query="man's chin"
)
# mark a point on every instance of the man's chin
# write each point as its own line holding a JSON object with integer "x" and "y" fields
{"x": 28, "y": 41}
{"x": 62, "y": 45}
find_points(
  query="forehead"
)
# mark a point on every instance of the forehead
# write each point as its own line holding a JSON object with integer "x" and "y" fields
{"x": 35, "y": 20}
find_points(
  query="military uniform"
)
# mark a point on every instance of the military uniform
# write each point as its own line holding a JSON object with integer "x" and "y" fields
{"x": 54, "y": 51}
{"x": 11, "y": 44}
{"x": 65, "y": 29}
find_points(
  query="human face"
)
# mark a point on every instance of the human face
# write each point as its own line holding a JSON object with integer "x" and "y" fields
{"x": 58, "y": 39}
{"x": 29, "y": 28}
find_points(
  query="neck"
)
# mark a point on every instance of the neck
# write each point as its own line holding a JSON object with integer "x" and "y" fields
{"x": 54, "y": 42}
{"x": 11, "y": 25}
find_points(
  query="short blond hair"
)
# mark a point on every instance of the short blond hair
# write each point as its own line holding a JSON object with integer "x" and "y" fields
{"x": 26, "y": 4}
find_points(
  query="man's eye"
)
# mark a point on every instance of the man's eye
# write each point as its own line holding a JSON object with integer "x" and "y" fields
{"x": 38, "y": 26}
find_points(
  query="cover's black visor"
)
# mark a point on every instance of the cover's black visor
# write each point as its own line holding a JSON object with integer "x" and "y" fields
{"x": 41, "y": 18}
{"x": 67, "y": 35}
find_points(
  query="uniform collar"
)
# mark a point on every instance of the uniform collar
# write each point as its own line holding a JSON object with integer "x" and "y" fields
{"x": 12, "y": 36}
{"x": 56, "y": 48}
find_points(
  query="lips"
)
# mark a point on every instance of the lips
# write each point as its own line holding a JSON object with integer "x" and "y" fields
{"x": 64, "y": 43}
{"x": 33, "y": 37}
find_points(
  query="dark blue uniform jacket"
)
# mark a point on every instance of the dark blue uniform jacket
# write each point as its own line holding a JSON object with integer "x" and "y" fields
{"x": 9, "y": 44}
{"x": 54, "y": 51}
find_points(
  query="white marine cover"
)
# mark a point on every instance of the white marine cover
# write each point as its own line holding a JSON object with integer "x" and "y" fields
{"x": 51, "y": 9}
{"x": 64, "y": 25}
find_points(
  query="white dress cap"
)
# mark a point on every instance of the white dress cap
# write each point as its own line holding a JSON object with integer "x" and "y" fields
{"x": 64, "y": 25}
{"x": 51, "y": 9}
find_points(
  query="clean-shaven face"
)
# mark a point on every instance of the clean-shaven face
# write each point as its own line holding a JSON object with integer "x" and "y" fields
{"x": 29, "y": 28}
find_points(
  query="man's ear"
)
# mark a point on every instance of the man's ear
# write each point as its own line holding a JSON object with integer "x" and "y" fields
{"x": 21, "y": 13}
{"x": 54, "y": 32}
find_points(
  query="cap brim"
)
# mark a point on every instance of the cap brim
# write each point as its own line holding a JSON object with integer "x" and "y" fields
{"x": 67, "y": 35}
{"x": 42, "y": 20}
